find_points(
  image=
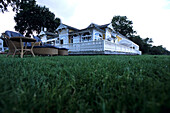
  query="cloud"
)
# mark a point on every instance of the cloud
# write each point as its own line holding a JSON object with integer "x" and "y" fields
{"x": 7, "y": 21}
{"x": 62, "y": 8}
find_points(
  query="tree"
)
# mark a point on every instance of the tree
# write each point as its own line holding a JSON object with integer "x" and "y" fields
{"x": 5, "y": 3}
{"x": 15, "y": 4}
{"x": 122, "y": 25}
{"x": 32, "y": 17}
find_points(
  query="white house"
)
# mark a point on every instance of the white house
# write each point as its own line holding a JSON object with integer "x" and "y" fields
{"x": 1, "y": 46}
{"x": 95, "y": 39}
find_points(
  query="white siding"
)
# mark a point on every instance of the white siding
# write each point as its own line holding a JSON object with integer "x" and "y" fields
{"x": 76, "y": 39}
{"x": 108, "y": 36}
{"x": 1, "y": 45}
{"x": 44, "y": 38}
{"x": 64, "y": 38}
{"x": 64, "y": 31}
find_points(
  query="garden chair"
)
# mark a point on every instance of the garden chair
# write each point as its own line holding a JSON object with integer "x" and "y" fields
{"x": 17, "y": 43}
{"x": 13, "y": 46}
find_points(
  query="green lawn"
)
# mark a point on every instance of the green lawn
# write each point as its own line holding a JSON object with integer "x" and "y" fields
{"x": 80, "y": 84}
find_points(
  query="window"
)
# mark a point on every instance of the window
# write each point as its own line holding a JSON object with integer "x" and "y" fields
{"x": 86, "y": 36}
{"x": 98, "y": 36}
{"x": 0, "y": 44}
{"x": 61, "y": 41}
{"x": 109, "y": 38}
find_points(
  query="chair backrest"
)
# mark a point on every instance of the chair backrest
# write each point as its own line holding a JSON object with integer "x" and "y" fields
{"x": 7, "y": 35}
{"x": 13, "y": 34}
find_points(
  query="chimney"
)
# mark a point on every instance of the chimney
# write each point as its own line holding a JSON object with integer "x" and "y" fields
{"x": 45, "y": 29}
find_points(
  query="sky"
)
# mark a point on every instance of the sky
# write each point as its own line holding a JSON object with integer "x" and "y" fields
{"x": 151, "y": 18}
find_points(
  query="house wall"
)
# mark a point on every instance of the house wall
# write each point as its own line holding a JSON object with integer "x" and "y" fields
{"x": 44, "y": 38}
{"x": 76, "y": 39}
{"x": 64, "y": 31}
{"x": 108, "y": 35}
{"x": 1, "y": 45}
{"x": 63, "y": 36}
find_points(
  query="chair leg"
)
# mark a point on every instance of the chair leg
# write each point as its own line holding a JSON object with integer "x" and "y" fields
{"x": 14, "y": 54}
{"x": 32, "y": 53}
{"x": 7, "y": 55}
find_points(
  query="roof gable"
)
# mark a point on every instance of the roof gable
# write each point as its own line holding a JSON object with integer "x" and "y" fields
{"x": 48, "y": 34}
{"x": 64, "y": 26}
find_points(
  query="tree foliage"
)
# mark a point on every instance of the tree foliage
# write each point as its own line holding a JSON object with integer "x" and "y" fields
{"x": 5, "y": 3}
{"x": 32, "y": 17}
{"x": 122, "y": 25}
{"x": 15, "y": 4}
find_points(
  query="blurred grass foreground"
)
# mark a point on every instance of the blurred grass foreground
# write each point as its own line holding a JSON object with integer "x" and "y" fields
{"x": 80, "y": 84}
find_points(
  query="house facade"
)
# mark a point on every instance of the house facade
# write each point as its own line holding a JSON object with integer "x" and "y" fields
{"x": 1, "y": 46}
{"x": 95, "y": 39}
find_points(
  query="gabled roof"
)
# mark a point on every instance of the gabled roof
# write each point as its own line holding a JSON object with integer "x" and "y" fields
{"x": 71, "y": 28}
{"x": 104, "y": 26}
{"x": 61, "y": 26}
{"x": 48, "y": 34}
{"x": 98, "y": 27}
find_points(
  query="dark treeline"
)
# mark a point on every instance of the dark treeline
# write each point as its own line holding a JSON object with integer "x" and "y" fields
{"x": 145, "y": 45}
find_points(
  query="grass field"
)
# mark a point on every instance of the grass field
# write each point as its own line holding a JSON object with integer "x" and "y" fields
{"x": 80, "y": 84}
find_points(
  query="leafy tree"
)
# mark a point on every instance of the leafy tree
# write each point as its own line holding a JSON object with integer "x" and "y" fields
{"x": 15, "y": 4}
{"x": 32, "y": 18}
{"x": 122, "y": 25}
{"x": 5, "y": 3}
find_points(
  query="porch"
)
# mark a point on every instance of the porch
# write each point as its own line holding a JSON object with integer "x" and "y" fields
{"x": 99, "y": 47}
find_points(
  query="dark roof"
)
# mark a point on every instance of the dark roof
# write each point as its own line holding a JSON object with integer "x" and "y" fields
{"x": 95, "y": 25}
{"x": 103, "y": 26}
{"x": 91, "y": 26}
{"x": 98, "y": 27}
{"x": 72, "y": 28}
{"x": 50, "y": 33}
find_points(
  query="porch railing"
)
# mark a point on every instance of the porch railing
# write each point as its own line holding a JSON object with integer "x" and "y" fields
{"x": 100, "y": 45}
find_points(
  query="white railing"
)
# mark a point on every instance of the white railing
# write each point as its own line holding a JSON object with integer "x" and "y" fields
{"x": 84, "y": 46}
{"x": 119, "y": 48}
{"x": 100, "y": 45}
